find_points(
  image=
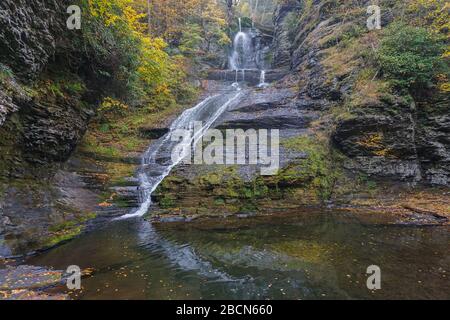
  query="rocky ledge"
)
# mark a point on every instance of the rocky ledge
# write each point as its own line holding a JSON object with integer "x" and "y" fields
{"x": 251, "y": 77}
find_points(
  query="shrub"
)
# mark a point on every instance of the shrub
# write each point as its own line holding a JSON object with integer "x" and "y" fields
{"x": 131, "y": 65}
{"x": 111, "y": 109}
{"x": 291, "y": 22}
{"x": 410, "y": 57}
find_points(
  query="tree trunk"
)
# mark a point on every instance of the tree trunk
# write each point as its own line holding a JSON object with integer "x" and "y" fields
{"x": 149, "y": 19}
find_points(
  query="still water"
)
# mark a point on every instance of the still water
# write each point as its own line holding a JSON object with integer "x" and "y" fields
{"x": 312, "y": 255}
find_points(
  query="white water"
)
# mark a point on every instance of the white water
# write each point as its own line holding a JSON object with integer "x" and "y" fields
{"x": 155, "y": 167}
{"x": 157, "y": 162}
{"x": 242, "y": 56}
{"x": 262, "y": 80}
{"x": 242, "y": 51}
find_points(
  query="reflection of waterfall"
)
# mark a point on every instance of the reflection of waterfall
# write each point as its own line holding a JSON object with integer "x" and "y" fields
{"x": 182, "y": 256}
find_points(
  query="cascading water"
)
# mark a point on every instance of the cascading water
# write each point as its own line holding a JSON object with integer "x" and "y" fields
{"x": 248, "y": 56}
{"x": 262, "y": 80}
{"x": 242, "y": 56}
{"x": 242, "y": 51}
{"x": 159, "y": 160}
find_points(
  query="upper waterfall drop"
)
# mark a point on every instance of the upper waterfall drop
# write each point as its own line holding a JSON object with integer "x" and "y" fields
{"x": 243, "y": 54}
{"x": 242, "y": 51}
{"x": 249, "y": 56}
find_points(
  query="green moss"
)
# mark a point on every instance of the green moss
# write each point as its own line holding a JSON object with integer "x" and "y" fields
{"x": 319, "y": 171}
{"x": 101, "y": 150}
{"x": 104, "y": 128}
{"x": 62, "y": 236}
{"x": 219, "y": 201}
{"x": 120, "y": 202}
{"x": 211, "y": 179}
{"x": 366, "y": 184}
{"x": 59, "y": 85}
{"x": 68, "y": 229}
{"x": 168, "y": 201}
{"x": 5, "y": 73}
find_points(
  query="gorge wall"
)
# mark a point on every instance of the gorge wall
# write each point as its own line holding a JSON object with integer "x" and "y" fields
{"x": 49, "y": 90}
{"x": 44, "y": 104}
{"x": 382, "y": 134}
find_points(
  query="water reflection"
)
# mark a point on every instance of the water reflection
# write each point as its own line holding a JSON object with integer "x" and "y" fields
{"x": 304, "y": 256}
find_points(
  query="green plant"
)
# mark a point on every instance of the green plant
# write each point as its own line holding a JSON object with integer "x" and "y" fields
{"x": 410, "y": 57}
{"x": 291, "y": 22}
{"x": 5, "y": 73}
{"x": 191, "y": 39}
{"x": 111, "y": 108}
{"x": 167, "y": 202}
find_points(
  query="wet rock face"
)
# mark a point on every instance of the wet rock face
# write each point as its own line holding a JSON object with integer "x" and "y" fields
{"x": 399, "y": 142}
{"x": 381, "y": 143}
{"x": 9, "y": 99}
{"x": 433, "y": 140}
{"x": 27, "y": 34}
{"x": 51, "y": 132}
{"x": 35, "y": 130}
{"x": 40, "y": 134}
{"x": 39, "y": 131}
{"x": 268, "y": 109}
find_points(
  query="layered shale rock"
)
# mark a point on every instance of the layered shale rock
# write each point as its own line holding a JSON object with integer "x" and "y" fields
{"x": 45, "y": 108}
{"x": 27, "y": 37}
{"x": 386, "y": 137}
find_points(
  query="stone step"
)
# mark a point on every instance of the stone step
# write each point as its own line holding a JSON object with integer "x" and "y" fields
{"x": 251, "y": 77}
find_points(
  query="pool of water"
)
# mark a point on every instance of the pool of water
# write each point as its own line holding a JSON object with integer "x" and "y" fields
{"x": 313, "y": 255}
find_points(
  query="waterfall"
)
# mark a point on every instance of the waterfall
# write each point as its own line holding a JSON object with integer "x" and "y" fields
{"x": 262, "y": 79}
{"x": 157, "y": 162}
{"x": 242, "y": 51}
{"x": 242, "y": 57}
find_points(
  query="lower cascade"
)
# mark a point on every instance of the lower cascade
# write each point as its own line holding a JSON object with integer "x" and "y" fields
{"x": 158, "y": 162}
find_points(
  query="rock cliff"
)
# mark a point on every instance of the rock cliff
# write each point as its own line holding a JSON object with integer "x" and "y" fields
{"x": 384, "y": 136}
{"x": 345, "y": 141}
{"x": 47, "y": 97}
